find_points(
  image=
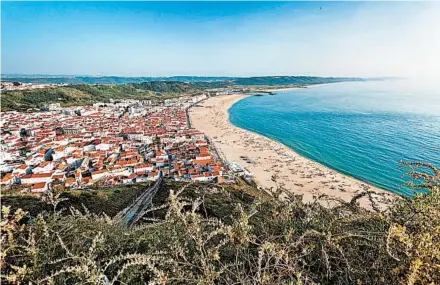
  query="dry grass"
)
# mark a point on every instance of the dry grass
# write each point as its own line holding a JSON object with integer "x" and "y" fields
{"x": 264, "y": 242}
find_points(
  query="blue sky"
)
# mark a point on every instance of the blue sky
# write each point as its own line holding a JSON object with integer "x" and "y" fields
{"x": 221, "y": 38}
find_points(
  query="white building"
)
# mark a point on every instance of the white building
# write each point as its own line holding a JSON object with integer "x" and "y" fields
{"x": 36, "y": 178}
{"x": 100, "y": 175}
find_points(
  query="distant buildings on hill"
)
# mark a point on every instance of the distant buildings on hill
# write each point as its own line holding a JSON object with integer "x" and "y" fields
{"x": 10, "y": 86}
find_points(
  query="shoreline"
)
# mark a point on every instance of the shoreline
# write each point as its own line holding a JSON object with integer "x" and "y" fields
{"x": 296, "y": 173}
{"x": 283, "y": 89}
{"x": 299, "y": 87}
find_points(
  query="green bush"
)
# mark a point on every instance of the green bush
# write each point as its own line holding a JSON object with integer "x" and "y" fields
{"x": 276, "y": 241}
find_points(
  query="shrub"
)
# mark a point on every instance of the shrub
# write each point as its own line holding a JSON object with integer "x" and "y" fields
{"x": 266, "y": 242}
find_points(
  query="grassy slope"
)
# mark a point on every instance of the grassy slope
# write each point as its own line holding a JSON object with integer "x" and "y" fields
{"x": 219, "y": 202}
{"x": 291, "y": 80}
{"x": 110, "y": 201}
{"x": 82, "y": 94}
{"x": 221, "y": 235}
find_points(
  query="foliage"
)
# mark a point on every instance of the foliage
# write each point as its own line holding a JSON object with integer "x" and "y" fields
{"x": 291, "y": 80}
{"x": 276, "y": 241}
{"x": 23, "y": 100}
{"x": 176, "y": 87}
{"x": 110, "y": 200}
{"x": 83, "y": 94}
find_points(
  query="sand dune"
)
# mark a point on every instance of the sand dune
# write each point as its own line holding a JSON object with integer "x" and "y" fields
{"x": 269, "y": 158}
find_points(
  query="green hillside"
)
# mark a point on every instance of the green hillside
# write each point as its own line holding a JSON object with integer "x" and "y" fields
{"x": 292, "y": 80}
{"x": 83, "y": 94}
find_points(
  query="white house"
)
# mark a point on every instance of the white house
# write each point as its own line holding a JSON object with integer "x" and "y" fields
{"x": 36, "y": 178}
{"x": 103, "y": 146}
{"x": 144, "y": 168}
{"x": 100, "y": 174}
{"x": 142, "y": 178}
{"x": 203, "y": 178}
{"x": 43, "y": 167}
{"x": 121, "y": 172}
{"x": 40, "y": 187}
{"x": 20, "y": 169}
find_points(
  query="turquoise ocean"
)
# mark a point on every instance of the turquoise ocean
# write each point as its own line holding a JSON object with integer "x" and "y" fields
{"x": 362, "y": 129}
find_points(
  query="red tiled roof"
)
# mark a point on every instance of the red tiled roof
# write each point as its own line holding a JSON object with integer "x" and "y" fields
{"x": 39, "y": 185}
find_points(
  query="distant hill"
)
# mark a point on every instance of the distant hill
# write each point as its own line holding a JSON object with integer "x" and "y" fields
{"x": 261, "y": 80}
{"x": 87, "y": 94}
{"x": 292, "y": 80}
{"x": 104, "y": 79}
{"x": 84, "y": 90}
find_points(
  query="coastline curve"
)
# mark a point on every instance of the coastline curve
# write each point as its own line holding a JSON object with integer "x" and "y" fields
{"x": 269, "y": 157}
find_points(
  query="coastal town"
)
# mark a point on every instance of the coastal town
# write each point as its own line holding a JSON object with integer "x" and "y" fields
{"x": 112, "y": 143}
{"x": 220, "y": 142}
{"x": 125, "y": 141}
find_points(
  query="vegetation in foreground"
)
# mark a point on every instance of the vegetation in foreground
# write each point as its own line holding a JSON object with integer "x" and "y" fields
{"x": 257, "y": 241}
{"x": 96, "y": 200}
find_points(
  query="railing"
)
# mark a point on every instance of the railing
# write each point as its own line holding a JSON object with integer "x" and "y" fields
{"x": 136, "y": 210}
{"x": 217, "y": 152}
{"x": 188, "y": 117}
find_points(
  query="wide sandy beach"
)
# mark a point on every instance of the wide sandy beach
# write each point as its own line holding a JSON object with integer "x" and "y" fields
{"x": 270, "y": 158}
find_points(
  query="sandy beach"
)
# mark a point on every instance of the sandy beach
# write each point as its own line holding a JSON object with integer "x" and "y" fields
{"x": 270, "y": 158}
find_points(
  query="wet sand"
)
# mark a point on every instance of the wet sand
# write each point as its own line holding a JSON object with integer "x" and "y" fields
{"x": 272, "y": 159}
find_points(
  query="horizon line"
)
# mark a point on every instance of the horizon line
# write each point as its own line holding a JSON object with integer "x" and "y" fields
{"x": 199, "y": 76}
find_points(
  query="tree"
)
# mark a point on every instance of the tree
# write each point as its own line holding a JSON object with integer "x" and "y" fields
{"x": 24, "y": 133}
